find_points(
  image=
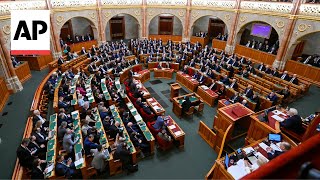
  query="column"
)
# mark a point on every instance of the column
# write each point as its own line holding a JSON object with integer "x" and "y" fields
{"x": 13, "y": 82}
{"x": 186, "y": 35}
{"x": 100, "y": 28}
{"x": 144, "y": 19}
{"x": 231, "y": 37}
{"x": 55, "y": 42}
{"x": 279, "y": 62}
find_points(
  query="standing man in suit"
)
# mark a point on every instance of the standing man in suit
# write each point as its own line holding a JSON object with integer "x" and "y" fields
{"x": 25, "y": 155}
{"x": 99, "y": 159}
{"x": 67, "y": 142}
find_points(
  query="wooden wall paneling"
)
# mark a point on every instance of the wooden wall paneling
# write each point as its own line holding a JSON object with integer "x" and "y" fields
{"x": 4, "y": 93}
{"x": 23, "y": 72}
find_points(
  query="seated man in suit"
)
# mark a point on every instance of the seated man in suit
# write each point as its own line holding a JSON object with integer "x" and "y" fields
{"x": 293, "y": 122}
{"x": 245, "y": 103}
{"x": 284, "y": 146}
{"x": 200, "y": 78}
{"x": 139, "y": 102}
{"x": 147, "y": 109}
{"x": 213, "y": 85}
{"x": 89, "y": 144}
{"x": 123, "y": 153}
{"x": 273, "y": 98}
{"x": 245, "y": 74}
{"x": 37, "y": 117}
{"x": 138, "y": 141}
{"x": 261, "y": 67}
{"x": 285, "y": 76}
{"x": 114, "y": 130}
{"x": 60, "y": 60}
{"x": 235, "y": 98}
{"x": 196, "y": 75}
{"x": 186, "y": 104}
{"x": 255, "y": 98}
{"x": 65, "y": 168}
{"x": 24, "y": 154}
{"x": 62, "y": 103}
{"x": 248, "y": 92}
{"x": 234, "y": 84}
{"x": 41, "y": 138}
{"x": 225, "y": 80}
{"x": 294, "y": 80}
{"x": 285, "y": 92}
{"x": 15, "y": 62}
{"x": 221, "y": 92}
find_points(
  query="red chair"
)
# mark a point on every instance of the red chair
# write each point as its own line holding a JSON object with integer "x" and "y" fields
{"x": 190, "y": 72}
{"x": 126, "y": 83}
{"x": 164, "y": 145}
{"x": 152, "y": 130}
{"x": 147, "y": 117}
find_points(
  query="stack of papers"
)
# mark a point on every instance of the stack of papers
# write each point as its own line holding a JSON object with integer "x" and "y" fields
{"x": 275, "y": 147}
{"x": 172, "y": 126}
{"x": 50, "y": 168}
{"x": 263, "y": 146}
{"x": 277, "y": 118}
{"x": 153, "y": 104}
{"x": 204, "y": 87}
{"x": 138, "y": 117}
{"x": 177, "y": 133}
{"x": 248, "y": 150}
{"x": 78, "y": 162}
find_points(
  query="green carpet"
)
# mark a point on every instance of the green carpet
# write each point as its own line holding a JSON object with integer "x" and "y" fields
{"x": 13, "y": 124}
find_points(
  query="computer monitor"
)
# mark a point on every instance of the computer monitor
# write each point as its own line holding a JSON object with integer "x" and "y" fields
{"x": 226, "y": 161}
{"x": 275, "y": 137}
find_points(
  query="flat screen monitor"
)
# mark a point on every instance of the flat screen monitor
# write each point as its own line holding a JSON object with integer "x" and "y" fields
{"x": 226, "y": 161}
{"x": 274, "y": 137}
{"x": 261, "y": 30}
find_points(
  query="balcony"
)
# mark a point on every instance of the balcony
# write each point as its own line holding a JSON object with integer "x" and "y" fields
{"x": 121, "y": 2}
{"x": 278, "y": 7}
{"x": 72, "y": 3}
{"x": 167, "y": 2}
{"x": 6, "y": 7}
{"x": 218, "y": 4}
{"x": 310, "y": 9}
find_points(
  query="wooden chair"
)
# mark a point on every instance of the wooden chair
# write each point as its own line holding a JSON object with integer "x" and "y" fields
{"x": 190, "y": 112}
{"x": 199, "y": 108}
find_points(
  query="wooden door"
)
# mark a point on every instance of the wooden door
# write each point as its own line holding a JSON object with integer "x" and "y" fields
{"x": 298, "y": 50}
{"x": 165, "y": 25}
{"x": 117, "y": 28}
{"x": 215, "y": 27}
{"x": 66, "y": 30}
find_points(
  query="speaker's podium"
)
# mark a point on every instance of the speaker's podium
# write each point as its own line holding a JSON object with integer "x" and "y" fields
{"x": 236, "y": 115}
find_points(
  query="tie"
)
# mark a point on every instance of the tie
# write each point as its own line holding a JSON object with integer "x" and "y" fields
{"x": 283, "y": 76}
{"x": 291, "y": 80}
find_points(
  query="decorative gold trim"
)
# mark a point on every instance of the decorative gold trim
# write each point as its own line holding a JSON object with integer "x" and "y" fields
{"x": 75, "y": 9}
{"x": 181, "y": 13}
{"x": 270, "y": 13}
{"x": 121, "y": 7}
{"x": 311, "y": 18}
{"x": 280, "y": 24}
{"x": 303, "y": 27}
{"x": 227, "y": 17}
{"x": 92, "y": 15}
{"x": 212, "y": 8}
{"x": 243, "y": 18}
{"x": 6, "y": 29}
{"x": 59, "y": 19}
{"x": 5, "y": 17}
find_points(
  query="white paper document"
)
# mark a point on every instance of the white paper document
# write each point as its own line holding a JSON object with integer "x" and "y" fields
{"x": 275, "y": 147}
{"x": 178, "y": 133}
{"x": 78, "y": 162}
{"x": 263, "y": 146}
{"x": 153, "y": 104}
{"x": 138, "y": 117}
{"x": 172, "y": 126}
{"x": 50, "y": 168}
{"x": 248, "y": 150}
{"x": 277, "y": 118}
{"x": 204, "y": 87}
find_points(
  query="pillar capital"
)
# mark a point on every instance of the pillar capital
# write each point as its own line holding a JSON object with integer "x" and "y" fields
{"x": 14, "y": 84}
{"x": 229, "y": 49}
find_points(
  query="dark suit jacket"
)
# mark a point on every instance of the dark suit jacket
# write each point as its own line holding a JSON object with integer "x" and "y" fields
{"x": 273, "y": 99}
{"x": 235, "y": 86}
{"x": 294, "y": 81}
{"x": 39, "y": 139}
{"x": 186, "y": 105}
{"x": 276, "y": 153}
{"x": 293, "y": 123}
{"x": 37, "y": 173}
{"x": 60, "y": 61}
{"x": 234, "y": 99}
{"x": 286, "y": 77}
{"x": 25, "y": 157}
{"x": 249, "y": 93}
{"x": 147, "y": 110}
{"x": 63, "y": 170}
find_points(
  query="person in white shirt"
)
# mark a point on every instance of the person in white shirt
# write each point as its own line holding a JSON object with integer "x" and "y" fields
{"x": 80, "y": 100}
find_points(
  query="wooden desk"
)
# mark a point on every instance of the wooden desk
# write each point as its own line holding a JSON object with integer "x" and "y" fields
{"x": 4, "y": 93}
{"x": 172, "y": 65}
{"x": 165, "y": 38}
{"x": 207, "y": 95}
{"x": 175, "y": 88}
{"x": 86, "y": 44}
{"x": 254, "y": 54}
{"x": 177, "y": 103}
{"x": 155, "y": 106}
{"x": 231, "y": 115}
{"x": 187, "y": 81}
{"x": 175, "y": 131}
{"x": 163, "y": 73}
{"x": 143, "y": 75}
{"x": 260, "y": 129}
{"x": 218, "y": 44}
{"x": 23, "y": 72}
{"x": 219, "y": 170}
{"x": 202, "y": 40}
{"x": 142, "y": 125}
{"x": 51, "y": 154}
{"x": 37, "y": 62}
